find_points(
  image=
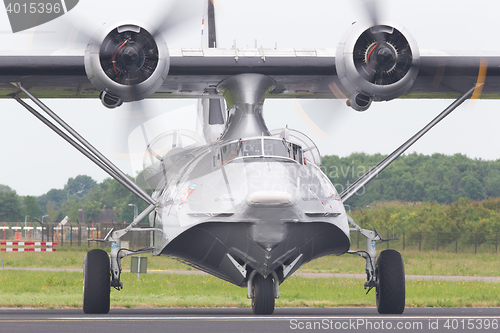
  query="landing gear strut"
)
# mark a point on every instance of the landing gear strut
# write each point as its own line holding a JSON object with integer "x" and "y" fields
{"x": 387, "y": 275}
{"x": 101, "y": 272}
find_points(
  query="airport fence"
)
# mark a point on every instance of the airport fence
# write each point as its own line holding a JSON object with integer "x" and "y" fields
{"x": 438, "y": 241}
{"x": 74, "y": 235}
{"x": 407, "y": 240}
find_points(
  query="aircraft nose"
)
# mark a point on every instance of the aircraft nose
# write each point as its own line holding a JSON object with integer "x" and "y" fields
{"x": 268, "y": 235}
{"x": 269, "y": 198}
{"x": 270, "y": 209}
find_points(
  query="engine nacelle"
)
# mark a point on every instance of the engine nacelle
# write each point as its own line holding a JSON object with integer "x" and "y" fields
{"x": 376, "y": 63}
{"x": 126, "y": 63}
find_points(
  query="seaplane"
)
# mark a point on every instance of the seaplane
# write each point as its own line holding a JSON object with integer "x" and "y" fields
{"x": 238, "y": 200}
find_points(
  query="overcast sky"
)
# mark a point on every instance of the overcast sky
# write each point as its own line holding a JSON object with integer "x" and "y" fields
{"x": 34, "y": 160}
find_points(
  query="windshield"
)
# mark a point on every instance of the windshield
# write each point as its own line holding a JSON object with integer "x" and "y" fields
{"x": 258, "y": 147}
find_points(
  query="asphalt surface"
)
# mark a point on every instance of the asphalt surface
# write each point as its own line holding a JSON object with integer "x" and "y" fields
{"x": 242, "y": 320}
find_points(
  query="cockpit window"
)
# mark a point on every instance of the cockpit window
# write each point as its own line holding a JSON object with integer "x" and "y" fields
{"x": 251, "y": 148}
{"x": 276, "y": 148}
{"x": 257, "y": 147}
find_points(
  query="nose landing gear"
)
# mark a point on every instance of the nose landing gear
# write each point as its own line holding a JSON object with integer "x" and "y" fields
{"x": 263, "y": 295}
{"x": 262, "y": 291}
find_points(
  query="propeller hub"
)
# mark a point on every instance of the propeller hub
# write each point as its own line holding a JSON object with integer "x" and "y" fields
{"x": 130, "y": 57}
{"x": 381, "y": 57}
{"x": 385, "y": 55}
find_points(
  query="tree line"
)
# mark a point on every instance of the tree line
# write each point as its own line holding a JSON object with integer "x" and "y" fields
{"x": 416, "y": 178}
{"x": 463, "y": 216}
{"x": 82, "y": 199}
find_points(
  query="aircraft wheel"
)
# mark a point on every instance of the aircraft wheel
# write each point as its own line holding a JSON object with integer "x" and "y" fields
{"x": 263, "y": 295}
{"x": 391, "y": 283}
{"x": 96, "y": 282}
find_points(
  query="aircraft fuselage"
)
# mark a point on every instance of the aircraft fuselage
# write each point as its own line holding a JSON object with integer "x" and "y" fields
{"x": 257, "y": 200}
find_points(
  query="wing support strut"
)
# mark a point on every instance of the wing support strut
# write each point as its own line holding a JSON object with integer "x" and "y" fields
{"x": 374, "y": 237}
{"x": 373, "y": 172}
{"x": 83, "y": 146}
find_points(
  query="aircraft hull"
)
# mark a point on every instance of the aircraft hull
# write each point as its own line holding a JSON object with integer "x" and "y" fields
{"x": 205, "y": 246}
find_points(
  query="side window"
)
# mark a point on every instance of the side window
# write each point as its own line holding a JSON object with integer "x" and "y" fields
{"x": 217, "y": 157}
{"x": 229, "y": 152}
{"x": 297, "y": 153}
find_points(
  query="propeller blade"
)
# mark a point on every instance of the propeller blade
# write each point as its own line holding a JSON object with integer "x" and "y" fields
{"x": 372, "y": 10}
{"x": 322, "y": 116}
{"x": 169, "y": 14}
{"x": 481, "y": 77}
{"x": 173, "y": 14}
{"x": 131, "y": 116}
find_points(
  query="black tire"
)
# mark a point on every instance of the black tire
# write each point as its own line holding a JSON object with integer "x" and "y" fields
{"x": 263, "y": 295}
{"x": 391, "y": 283}
{"x": 96, "y": 282}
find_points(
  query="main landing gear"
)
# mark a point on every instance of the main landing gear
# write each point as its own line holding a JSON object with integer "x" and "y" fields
{"x": 390, "y": 288}
{"x": 102, "y": 271}
{"x": 96, "y": 282}
{"x": 387, "y": 276}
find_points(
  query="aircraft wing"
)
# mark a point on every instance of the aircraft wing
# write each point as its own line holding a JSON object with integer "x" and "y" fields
{"x": 299, "y": 73}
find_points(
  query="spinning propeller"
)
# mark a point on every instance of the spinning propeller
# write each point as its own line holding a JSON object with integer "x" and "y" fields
{"x": 128, "y": 60}
{"x": 382, "y": 55}
{"x": 129, "y": 57}
{"x": 375, "y": 60}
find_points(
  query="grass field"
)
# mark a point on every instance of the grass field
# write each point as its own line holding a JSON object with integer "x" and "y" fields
{"x": 421, "y": 263}
{"x": 64, "y": 290}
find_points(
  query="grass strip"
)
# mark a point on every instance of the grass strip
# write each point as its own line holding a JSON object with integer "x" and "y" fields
{"x": 419, "y": 263}
{"x": 43, "y": 289}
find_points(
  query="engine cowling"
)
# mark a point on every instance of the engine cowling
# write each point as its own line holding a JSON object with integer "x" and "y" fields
{"x": 126, "y": 62}
{"x": 376, "y": 63}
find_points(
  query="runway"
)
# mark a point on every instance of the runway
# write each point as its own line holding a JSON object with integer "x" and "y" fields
{"x": 242, "y": 320}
